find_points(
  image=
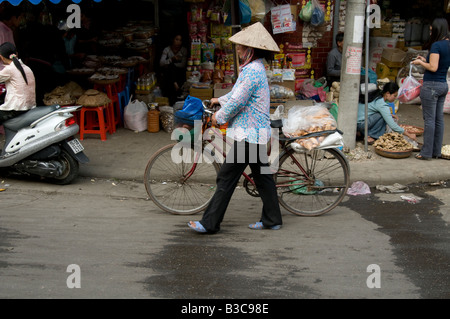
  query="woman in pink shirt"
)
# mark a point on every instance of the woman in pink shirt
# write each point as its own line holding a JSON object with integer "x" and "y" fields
{"x": 20, "y": 84}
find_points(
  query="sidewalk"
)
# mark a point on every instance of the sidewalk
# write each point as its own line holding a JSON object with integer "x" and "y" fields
{"x": 124, "y": 155}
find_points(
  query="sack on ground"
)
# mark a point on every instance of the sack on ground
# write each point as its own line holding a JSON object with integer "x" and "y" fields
{"x": 135, "y": 116}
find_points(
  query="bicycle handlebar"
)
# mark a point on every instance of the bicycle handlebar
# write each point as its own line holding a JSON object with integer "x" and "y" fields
{"x": 206, "y": 105}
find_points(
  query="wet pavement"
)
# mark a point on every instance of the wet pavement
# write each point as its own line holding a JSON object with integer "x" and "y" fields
{"x": 418, "y": 233}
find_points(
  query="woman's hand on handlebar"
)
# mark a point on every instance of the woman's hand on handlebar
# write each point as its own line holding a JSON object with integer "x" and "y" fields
{"x": 213, "y": 120}
{"x": 214, "y": 101}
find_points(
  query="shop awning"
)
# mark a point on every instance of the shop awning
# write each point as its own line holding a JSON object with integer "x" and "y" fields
{"x": 17, "y": 2}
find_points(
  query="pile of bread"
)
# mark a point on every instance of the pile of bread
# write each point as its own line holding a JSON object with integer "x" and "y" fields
{"x": 303, "y": 120}
{"x": 333, "y": 94}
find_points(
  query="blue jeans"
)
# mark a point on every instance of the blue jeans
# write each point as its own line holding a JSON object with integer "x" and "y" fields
{"x": 376, "y": 126}
{"x": 433, "y": 96}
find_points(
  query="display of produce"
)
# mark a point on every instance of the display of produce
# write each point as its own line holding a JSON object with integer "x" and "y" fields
{"x": 64, "y": 95}
{"x": 93, "y": 98}
{"x": 392, "y": 141}
{"x": 445, "y": 151}
{"x": 413, "y": 129}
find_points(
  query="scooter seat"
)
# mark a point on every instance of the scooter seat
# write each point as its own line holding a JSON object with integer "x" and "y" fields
{"x": 18, "y": 122}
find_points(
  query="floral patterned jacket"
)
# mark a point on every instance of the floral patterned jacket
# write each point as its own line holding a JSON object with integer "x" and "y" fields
{"x": 247, "y": 107}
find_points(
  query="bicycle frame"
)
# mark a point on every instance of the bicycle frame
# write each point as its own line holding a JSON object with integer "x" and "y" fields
{"x": 283, "y": 143}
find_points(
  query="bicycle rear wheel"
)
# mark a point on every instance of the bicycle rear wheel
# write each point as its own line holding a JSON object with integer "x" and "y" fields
{"x": 312, "y": 183}
{"x": 177, "y": 186}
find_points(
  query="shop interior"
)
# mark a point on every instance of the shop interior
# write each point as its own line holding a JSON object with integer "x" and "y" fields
{"x": 121, "y": 43}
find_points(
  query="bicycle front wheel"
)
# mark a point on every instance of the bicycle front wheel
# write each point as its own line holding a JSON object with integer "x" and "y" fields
{"x": 179, "y": 180}
{"x": 312, "y": 183}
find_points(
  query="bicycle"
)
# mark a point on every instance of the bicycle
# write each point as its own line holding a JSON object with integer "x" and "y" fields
{"x": 309, "y": 183}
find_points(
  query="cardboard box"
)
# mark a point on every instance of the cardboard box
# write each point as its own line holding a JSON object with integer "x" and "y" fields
{"x": 393, "y": 54}
{"x": 202, "y": 94}
{"x": 221, "y": 89}
{"x": 385, "y": 30}
{"x": 393, "y": 58}
{"x": 391, "y": 64}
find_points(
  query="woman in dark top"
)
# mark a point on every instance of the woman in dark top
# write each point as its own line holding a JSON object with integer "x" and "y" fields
{"x": 434, "y": 89}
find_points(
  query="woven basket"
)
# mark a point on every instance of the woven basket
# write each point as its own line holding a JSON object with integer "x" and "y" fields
{"x": 93, "y": 98}
{"x": 393, "y": 154}
{"x": 413, "y": 129}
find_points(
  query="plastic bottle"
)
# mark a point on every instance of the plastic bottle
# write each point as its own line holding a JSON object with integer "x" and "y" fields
{"x": 147, "y": 85}
{"x": 153, "y": 119}
{"x": 139, "y": 84}
{"x": 157, "y": 92}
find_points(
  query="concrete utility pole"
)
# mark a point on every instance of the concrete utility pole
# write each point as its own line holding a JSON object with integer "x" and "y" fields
{"x": 351, "y": 70}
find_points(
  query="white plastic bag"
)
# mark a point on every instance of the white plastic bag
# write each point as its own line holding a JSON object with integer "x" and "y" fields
{"x": 302, "y": 120}
{"x": 334, "y": 140}
{"x": 358, "y": 188}
{"x": 410, "y": 89}
{"x": 135, "y": 116}
{"x": 312, "y": 125}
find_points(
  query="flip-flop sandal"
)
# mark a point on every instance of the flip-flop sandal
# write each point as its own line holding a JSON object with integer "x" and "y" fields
{"x": 259, "y": 225}
{"x": 420, "y": 157}
{"x": 198, "y": 227}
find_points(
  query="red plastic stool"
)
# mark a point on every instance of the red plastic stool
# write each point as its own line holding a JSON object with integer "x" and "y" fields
{"x": 88, "y": 123}
{"x": 111, "y": 91}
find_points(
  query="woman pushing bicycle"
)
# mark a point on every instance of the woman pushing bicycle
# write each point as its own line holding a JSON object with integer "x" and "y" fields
{"x": 247, "y": 110}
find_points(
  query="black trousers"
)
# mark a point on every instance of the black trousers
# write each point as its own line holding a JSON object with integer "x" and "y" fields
{"x": 243, "y": 154}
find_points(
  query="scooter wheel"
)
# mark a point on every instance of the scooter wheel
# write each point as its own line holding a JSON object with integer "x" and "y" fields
{"x": 70, "y": 172}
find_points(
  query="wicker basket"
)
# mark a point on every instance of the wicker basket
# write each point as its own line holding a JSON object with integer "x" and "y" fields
{"x": 413, "y": 129}
{"x": 393, "y": 154}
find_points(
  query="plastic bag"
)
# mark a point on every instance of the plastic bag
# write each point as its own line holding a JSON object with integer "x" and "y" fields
{"x": 318, "y": 15}
{"x": 135, "y": 116}
{"x": 334, "y": 140}
{"x": 311, "y": 91}
{"x": 258, "y": 8}
{"x": 278, "y": 114}
{"x": 358, "y": 188}
{"x": 192, "y": 110}
{"x": 410, "y": 88}
{"x": 306, "y": 12}
{"x": 304, "y": 120}
{"x": 245, "y": 13}
{"x": 280, "y": 92}
{"x": 166, "y": 118}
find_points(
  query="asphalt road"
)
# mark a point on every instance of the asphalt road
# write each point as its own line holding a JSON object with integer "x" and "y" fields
{"x": 99, "y": 239}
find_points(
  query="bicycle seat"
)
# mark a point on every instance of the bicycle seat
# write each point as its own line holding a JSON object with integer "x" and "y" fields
{"x": 276, "y": 123}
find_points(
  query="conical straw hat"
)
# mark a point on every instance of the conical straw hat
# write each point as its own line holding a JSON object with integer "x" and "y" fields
{"x": 255, "y": 36}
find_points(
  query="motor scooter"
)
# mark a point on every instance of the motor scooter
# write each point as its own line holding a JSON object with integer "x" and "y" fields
{"x": 41, "y": 143}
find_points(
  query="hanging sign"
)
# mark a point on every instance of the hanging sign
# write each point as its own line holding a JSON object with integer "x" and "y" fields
{"x": 282, "y": 20}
